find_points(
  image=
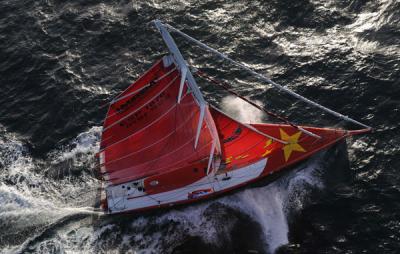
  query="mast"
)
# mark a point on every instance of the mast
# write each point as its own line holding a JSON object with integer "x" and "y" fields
{"x": 185, "y": 73}
{"x": 266, "y": 79}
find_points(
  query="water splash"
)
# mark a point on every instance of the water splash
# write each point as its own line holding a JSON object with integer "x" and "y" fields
{"x": 272, "y": 205}
{"x": 242, "y": 110}
{"x": 86, "y": 143}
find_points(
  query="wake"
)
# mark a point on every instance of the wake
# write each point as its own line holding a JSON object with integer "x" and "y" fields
{"x": 56, "y": 207}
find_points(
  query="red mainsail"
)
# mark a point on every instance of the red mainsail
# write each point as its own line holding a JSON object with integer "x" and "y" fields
{"x": 147, "y": 132}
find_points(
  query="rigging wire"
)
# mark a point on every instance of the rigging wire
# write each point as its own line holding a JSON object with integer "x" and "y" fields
{"x": 227, "y": 87}
{"x": 259, "y": 76}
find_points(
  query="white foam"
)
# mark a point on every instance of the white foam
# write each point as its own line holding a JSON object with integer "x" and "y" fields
{"x": 271, "y": 205}
{"x": 85, "y": 143}
{"x": 29, "y": 199}
{"x": 242, "y": 110}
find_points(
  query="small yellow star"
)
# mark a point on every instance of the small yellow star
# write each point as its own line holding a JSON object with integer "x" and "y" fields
{"x": 267, "y": 151}
{"x": 292, "y": 143}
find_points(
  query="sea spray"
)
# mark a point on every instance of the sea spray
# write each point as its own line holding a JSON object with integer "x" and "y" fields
{"x": 272, "y": 205}
{"x": 266, "y": 206}
{"x": 241, "y": 110}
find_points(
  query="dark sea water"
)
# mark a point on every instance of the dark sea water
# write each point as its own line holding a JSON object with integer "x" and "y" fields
{"x": 62, "y": 61}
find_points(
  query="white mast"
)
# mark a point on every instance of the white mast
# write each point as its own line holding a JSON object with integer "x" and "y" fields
{"x": 266, "y": 79}
{"x": 185, "y": 73}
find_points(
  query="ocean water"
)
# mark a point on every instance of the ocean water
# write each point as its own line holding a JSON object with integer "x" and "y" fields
{"x": 61, "y": 62}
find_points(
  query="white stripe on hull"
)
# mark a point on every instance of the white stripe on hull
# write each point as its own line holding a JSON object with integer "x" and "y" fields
{"x": 120, "y": 199}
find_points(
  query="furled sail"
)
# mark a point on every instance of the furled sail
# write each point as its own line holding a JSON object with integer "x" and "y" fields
{"x": 148, "y": 131}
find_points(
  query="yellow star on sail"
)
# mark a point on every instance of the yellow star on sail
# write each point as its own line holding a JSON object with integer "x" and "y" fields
{"x": 292, "y": 143}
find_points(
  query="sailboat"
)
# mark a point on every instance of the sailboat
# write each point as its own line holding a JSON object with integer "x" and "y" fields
{"x": 163, "y": 145}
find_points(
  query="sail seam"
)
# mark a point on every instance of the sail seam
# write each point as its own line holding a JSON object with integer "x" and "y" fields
{"x": 136, "y": 110}
{"x": 169, "y": 134}
{"x": 153, "y": 122}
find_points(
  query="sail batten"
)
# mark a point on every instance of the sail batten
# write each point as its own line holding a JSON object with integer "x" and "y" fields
{"x": 157, "y": 131}
{"x": 147, "y": 126}
{"x": 119, "y": 98}
{"x": 142, "y": 106}
{"x": 125, "y": 175}
{"x": 154, "y": 161}
{"x": 150, "y": 145}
